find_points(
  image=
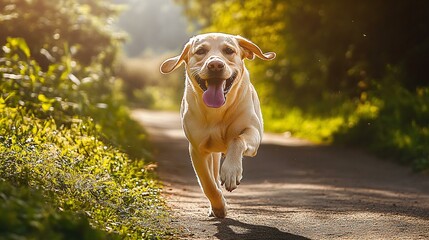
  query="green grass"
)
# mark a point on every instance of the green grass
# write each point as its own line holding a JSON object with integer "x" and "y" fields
{"x": 26, "y": 215}
{"x": 78, "y": 173}
{"x": 298, "y": 124}
{"x": 75, "y": 148}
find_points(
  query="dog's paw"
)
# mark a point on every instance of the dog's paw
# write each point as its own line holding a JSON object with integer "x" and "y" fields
{"x": 231, "y": 174}
{"x": 218, "y": 212}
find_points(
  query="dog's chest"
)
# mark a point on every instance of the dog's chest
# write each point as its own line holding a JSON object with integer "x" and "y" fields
{"x": 213, "y": 139}
{"x": 210, "y": 131}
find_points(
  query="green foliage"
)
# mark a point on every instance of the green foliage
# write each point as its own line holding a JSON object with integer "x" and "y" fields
{"x": 344, "y": 69}
{"x": 399, "y": 129}
{"x": 65, "y": 133}
{"x": 69, "y": 156}
{"x": 47, "y": 143}
{"x": 25, "y": 215}
{"x": 58, "y": 28}
{"x": 80, "y": 173}
{"x": 58, "y": 93}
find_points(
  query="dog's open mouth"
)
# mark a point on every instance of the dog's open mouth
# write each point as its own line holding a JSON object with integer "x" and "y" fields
{"x": 215, "y": 90}
{"x": 228, "y": 82}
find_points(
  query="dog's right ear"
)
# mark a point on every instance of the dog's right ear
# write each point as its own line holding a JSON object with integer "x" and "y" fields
{"x": 172, "y": 63}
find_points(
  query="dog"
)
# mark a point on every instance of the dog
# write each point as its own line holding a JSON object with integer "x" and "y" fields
{"x": 220, "y": 110}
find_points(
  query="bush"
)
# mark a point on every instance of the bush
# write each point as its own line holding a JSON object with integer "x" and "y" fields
{"x": 65, "y": 132}
{"x": 50, "y": 143}
{"x": 53, "y": 29}
{"x": 79, "y": 173}
{"x": 399, "y": 128}
{"x": 25, "y": 215}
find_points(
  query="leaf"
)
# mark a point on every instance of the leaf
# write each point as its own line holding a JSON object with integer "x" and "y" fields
{"x": 2, "y": 103}
{"x": 43, "y": 98}
{"x": 21, "y": 44}
{"x": 46, "y": 106}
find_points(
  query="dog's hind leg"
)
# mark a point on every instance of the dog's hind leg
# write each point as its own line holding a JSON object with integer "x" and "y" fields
{"x": 204, "y": 165}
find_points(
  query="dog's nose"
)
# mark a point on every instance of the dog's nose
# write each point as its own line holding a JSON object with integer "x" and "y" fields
{"x": 216, "y": 65}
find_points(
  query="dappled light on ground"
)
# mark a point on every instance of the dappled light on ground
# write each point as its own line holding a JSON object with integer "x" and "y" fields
{"x": 295, "y": 190}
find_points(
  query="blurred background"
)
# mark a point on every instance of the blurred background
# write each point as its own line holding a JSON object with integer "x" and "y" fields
{"x": 156, "y": 30}
{"x": 74, "y": 163}
{"x": 346, "y": 72}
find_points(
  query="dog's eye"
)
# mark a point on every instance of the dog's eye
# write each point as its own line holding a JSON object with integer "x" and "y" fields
{"x": 229, "y": 51}
{"x": 201, "y": 51}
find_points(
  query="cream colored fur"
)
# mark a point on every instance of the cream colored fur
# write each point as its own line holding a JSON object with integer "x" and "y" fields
{"x": 233, "y": 129}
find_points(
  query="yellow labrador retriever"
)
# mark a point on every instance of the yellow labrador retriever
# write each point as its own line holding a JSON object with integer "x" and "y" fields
{"x": 220, "y": 110}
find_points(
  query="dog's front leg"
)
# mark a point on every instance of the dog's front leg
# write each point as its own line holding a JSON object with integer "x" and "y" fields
{"x": 204, "y": 165}
{"x": 246, "y": 144}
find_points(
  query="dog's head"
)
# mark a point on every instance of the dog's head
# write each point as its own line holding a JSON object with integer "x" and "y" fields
{"x": 214, "y": 64}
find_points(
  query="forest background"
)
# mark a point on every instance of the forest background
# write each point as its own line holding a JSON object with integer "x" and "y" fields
{"x": 73, "y": 163}
{"x": 346, "y": 72}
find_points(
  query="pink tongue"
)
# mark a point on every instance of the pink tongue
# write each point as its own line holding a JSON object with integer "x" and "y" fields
{"x": 213, "y": 96}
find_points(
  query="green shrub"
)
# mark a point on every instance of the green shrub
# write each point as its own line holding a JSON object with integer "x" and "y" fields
{"x": 53, "y": 29}
{"x": 57, "y": 94}
{"x": 26, "y": 215}
{"x": 399, "y": 129}
{"x": 80, "y": 173}
{"x": 65, "y": 133}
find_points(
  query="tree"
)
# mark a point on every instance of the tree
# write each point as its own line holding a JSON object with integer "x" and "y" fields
{"x": 53, "y": 29}
{"x": 74, "y": 48}
{"x": 329, "y": 45}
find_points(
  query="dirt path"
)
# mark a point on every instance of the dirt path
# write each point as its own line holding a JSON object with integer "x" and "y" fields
{"x": 294, "y": 190}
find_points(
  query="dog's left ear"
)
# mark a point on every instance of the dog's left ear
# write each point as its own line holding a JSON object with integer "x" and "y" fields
{"x": 172, "y": 63}
{"x": 251, "y": 49}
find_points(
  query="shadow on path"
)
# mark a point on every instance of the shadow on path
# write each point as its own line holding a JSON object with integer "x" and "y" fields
{"x": 230, "y": 229}
{"x": 293, "y": 189}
